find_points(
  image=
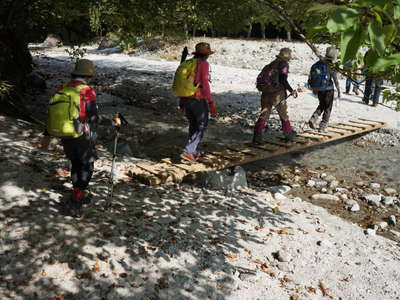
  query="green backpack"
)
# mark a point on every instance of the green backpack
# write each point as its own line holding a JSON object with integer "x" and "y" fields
{"x": 184, "y": 85}
{"x": 64, "y": 112}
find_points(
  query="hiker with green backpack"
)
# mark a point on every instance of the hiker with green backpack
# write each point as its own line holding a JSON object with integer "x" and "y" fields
{"x": 321, "y": 80}
{"x": 73, "y": 117}
{"x": 272, "y": 82}
{"x": 191, "y": 85}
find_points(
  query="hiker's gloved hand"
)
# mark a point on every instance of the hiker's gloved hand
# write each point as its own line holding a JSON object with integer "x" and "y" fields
{"x": 45, "y": 142}
{"x": 181, "y": 105}
{"x": 212, "y": 108}
{"x": 294, "y": 94}
{"x": 117, "y": 121}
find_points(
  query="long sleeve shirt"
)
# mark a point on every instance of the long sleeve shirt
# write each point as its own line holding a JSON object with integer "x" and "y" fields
{"x": 202, "y": 77}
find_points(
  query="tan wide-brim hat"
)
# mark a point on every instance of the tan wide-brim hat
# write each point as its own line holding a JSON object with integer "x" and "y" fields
{"x": 203, "y": 48}
{"x": 331, "y": 53}
{"x": 285, "y": 54}
{"x": 84, "y": 67}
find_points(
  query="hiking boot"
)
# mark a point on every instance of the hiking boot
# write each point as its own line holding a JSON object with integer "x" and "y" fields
{"x": 258, "y": 137}
{"x": 323, "y": 127}
{"x": 375, "y": 105}
{"x": 200, "y": 155}
{"x": 290, "y": 136}
{"x": 312, "y": 123}
{"x": 188, "y": 157}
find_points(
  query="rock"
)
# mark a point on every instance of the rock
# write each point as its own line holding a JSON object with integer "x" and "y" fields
{"x": 370, "y": 231}
{"x": 325, "y": 197}
{"x": 52, "y": 40}
{"x": 323, "y": 175}
{"x": 373, "y": 199}
{"x": 341, "y": 190}
{"x": 383, "y": 225}
{"x": 311, "y": 183}
{"x": 392, "y": 220}
{"x": 111, "y": 50}
{"x": 353, "y": 205}
{"x": 279, "y": 189}
{"x": 247, "y": 275}
{"x": 324, "y": 243}
{"x": 280, "y": 197}
{"x": 372, "y": 173}
{"x": 343, "y": 197}
{"x": 232, "y": 178}
{"x": 375, "y": 186}
{"x": 360, "y": 183}
{"x": 388, "y": 201}
{"x": 334, "y": 184}
{"x": 283, "y": 256}
{"x": 284, "y": 266}
{"x": 330, "y": 178}
{"x": 395, "y": 233}
{"x": 108, "y": 42}
{"x": 320, "y": 184}
{"x": 324, "y": 190}
{"x": 390, "y": 191}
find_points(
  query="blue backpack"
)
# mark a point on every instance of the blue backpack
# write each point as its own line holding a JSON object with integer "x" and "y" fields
{"x": 320, "y": 78}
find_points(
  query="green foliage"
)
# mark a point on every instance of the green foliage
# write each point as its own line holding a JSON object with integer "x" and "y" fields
{"x": 341, "y": 19}
{"x": 389, "y": 95}
{"x": 368, "y": 23}
{"x": 75, "y": 53}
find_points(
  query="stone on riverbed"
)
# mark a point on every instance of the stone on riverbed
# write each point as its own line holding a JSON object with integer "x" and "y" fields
{"x": 353, "y": 205}
{"x": 373, "y": 199}
{"x": 327, "y": 197}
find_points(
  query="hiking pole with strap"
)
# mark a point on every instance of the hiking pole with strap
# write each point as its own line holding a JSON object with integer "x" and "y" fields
{"x": 111, "y": 178}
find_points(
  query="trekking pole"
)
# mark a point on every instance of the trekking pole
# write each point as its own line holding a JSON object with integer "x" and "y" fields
{"x": 111, "y": 178}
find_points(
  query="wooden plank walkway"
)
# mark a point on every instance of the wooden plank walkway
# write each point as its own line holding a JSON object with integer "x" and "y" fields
{"x": 170, "y": 170}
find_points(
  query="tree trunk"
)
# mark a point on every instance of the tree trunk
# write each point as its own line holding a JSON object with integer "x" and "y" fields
{"x": 213, "y": 33}
{"x": 249, "y": 30}
{"x": 194, "y": 32}
{"x": 263, "y": 31}
{"x": 162, "y": 29}
{"x": 185, "y": 28}
{"x": 289, "y": 35}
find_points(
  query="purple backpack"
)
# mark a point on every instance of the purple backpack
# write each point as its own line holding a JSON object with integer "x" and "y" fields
{"x": 268, "y": 79}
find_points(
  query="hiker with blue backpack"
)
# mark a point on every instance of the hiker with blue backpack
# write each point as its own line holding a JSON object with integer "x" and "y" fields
{"x": 192, "y": 86}
{"x": 272, "y": 82}
{"x": 73, "y": 117}
{"x": 322, "y": 79}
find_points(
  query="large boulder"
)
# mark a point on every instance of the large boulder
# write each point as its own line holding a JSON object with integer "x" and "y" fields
{"x": 52, "y": 40}
{"x": 108, "y": 42}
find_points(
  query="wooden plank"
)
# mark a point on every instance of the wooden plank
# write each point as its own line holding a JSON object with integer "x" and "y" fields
{"x": 364, "y": 123}
{"x": 347, "y": 128}
{"x": 379, "y": 122}
{"x": 309, "y": 136}
{"x": 167, "y": 171}
{"x": 282, "y": 144}
{"x": 268, "y": 148}
{"x": 247, "y": 151}
{"x": 327, "y": 134}
{"x": 339, "y": 131}
{"x": 354, "y": 125}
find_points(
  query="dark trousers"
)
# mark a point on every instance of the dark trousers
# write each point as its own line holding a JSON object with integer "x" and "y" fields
{"x": 376, "y": 86}
{"x": 197, "y": 115}
{"x": 82, "y": 154}
{"x": 325, "y": 106}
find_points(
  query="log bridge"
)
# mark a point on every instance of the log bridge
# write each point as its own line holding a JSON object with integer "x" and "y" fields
{"x": 169, "y": 170}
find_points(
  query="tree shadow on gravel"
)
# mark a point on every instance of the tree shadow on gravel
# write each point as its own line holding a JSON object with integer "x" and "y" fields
{"x": 166, "y": 242}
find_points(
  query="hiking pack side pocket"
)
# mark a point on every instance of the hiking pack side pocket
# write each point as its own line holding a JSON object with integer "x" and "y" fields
{"x": 78, "y": 126}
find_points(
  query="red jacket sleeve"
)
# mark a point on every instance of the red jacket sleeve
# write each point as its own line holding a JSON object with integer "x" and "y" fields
{"x": 202, "y": 77}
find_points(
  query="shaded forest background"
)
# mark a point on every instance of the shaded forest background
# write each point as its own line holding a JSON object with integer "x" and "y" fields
{"x": 350, "y": 24}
